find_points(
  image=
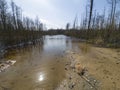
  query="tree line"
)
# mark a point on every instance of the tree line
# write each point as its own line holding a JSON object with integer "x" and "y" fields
{"x": 11, "y": 18}
{"x": 16, "y": 28}
{"x": 103, "y": 29}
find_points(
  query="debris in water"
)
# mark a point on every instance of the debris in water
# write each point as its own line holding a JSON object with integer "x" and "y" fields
{"x": 6, "y": 64}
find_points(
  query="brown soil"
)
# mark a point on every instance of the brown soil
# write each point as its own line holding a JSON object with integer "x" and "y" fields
{"x": 102, "y": 67}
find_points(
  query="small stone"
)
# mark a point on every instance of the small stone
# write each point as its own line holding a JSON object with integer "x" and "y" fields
{"x": 91, "y": 87}
{"x": 71, "y": 86}
{"x": 64, "y": 85}
{"x": 86, "y": 75}
{"x": 117, "y": 63}
{"x": 66, "y": 69}
{"x": 94, "y": 80}
{"x": 70, "y": 77}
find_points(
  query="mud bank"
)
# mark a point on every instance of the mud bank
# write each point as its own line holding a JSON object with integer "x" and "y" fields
{"x": 101, "y": 69}
{"x": 77, "y": 75}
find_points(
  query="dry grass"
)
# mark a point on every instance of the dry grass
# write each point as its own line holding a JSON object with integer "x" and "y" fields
{"x": 84, "y": 47}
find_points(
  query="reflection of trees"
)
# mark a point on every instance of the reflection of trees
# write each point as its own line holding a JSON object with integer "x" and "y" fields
{"x": 36, "y": 46}
{"x": 30, "y": 50}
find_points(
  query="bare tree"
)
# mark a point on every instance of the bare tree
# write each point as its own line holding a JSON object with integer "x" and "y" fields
{"x": 67, "y": 26}
{"x": 3, "y": 14}
{"x": 90, "y": 15}
{"x": 13, "y": 7}
{"x": 37, "y": 23}
{"x": 113, "y": 6}
{"x": 18, "y": 17}
{"x": 94, "y": 20}
{"x": 86, "y": 18}
{"x": 41, "y": 26}
{"x": 75, "y": 24}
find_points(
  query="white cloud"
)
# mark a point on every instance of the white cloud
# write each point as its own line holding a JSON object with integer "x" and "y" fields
{"x": 41, "y": 4}
{"x": 49, "y": 24}
{"x": 54, "y": 13}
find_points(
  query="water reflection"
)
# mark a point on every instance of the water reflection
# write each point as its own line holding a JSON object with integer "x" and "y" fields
{"x": 41, "y": 77}
{"x": 54, "y": 44}
{"x": 43, "y": 61}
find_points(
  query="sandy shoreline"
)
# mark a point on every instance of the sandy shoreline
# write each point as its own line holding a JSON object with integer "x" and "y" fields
{"x": 102, "y": 70}
{"x": 75, "y": 81}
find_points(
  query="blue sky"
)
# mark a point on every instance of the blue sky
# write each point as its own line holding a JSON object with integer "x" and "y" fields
{"x": 56, "y": 13}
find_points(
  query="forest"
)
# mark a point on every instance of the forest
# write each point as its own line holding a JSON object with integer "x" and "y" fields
{"x": 16, "y": 28}
{"x": 100, "y": 29}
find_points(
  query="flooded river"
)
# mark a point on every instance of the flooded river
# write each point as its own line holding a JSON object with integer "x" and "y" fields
{"x": 42, "y": 66}
{"x": 37, "y": 67}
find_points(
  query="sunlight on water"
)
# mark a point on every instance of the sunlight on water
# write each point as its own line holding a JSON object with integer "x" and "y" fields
{"x": 41, "y": 77}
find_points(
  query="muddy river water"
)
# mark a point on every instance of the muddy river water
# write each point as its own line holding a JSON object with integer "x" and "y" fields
{"x": 37, "y": 66}
{"x": 42, "y": 66}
